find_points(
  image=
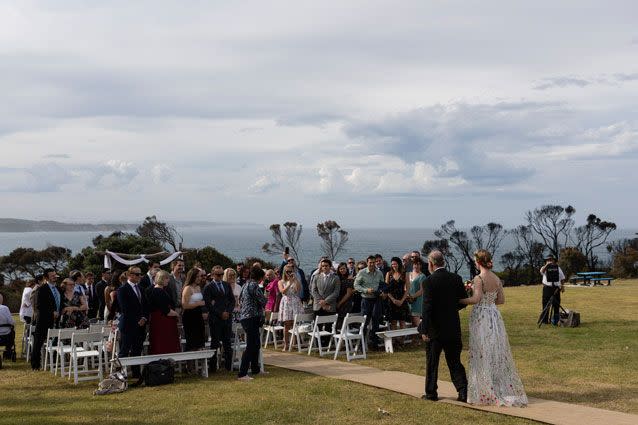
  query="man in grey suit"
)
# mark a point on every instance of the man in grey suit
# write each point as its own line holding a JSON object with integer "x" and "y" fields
{"x": 324, "y": 288}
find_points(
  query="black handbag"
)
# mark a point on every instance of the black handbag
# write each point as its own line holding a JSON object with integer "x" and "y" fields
{"x": 159, "y": 372}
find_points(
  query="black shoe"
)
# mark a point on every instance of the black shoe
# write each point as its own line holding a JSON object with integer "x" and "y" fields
{"x": 462, "y": 396}
{"x": 431, "y": 397}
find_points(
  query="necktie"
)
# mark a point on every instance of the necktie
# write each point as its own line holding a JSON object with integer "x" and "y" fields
{"x": 220, "y": 287}
{"x": 137, "y": 292}
{"x": 56, "y": 297}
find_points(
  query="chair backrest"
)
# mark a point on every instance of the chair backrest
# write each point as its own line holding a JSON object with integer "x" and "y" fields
{"x": 353, "y": 320}
{"x": 303, "y": 318}
{"x": 67, "y": 333}
{"x": 95, "y": 327}
{"x": 326, "y": 319}
{"x": 83, "y": 337}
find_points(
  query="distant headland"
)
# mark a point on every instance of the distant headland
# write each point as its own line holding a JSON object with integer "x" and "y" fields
{"x": 19, "y": 226}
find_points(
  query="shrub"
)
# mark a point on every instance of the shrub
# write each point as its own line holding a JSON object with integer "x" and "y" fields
{"x": 624, "y": 263}
{"x": 572, "y": 261}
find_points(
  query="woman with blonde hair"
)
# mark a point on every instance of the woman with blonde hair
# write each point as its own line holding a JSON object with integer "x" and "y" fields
{"x": 74, "y": 306}
{"x": 163, "y": 333}
{"x": 493, "y": 379}
{"x": 290, "y": 288}
{"x": 230, "y": 277}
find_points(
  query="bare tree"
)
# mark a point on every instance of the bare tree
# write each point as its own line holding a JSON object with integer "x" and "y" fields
{"x": 532, "y": 250}
{"x": 333, "y": 238}
{"x": 460, "y": 242}
{"x": 291, "y": 237}
{"x": 160, "y": 233}
{"x": 591, "y": 236}
{"x": 553, "y": 224}
{"x": 453, "y": 261}
{"x": 488, "y": 237}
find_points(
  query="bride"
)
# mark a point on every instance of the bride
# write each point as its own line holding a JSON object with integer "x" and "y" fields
{"x": 493, "y": 379}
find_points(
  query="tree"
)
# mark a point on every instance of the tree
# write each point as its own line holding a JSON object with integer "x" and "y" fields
{"x": 30, "y": 262}
{"x": 460, "y": 242}
{"x": 161, "y": 233}
{"x": 624, "y": 258}
{"x": 291, "y": 238}
{"x": 333, "y": 238}
{"x": 531, "y": 249}
{"x": 512, "y": 263}
{"x": 591, "y": 236}
{"x": 553, "y": 224}
{"x": 454, "y": 262}
{"x": 488, "y": 237}
{"x": 571, "y": 261}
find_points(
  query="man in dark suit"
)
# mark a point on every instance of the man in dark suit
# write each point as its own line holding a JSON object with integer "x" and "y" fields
{"x": 99, "y": 292}
{"x": 133, "y": 318}
{"x": 148, "y": 280}
{"x": 91, "y": 295}
{"x": 440, "y": 326}
{"x": 46, "y": 312}
{"x": 220, "y": 303}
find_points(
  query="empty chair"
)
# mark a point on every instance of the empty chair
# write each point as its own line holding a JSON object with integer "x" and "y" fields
{"x": 352, "y": 337}
{"x": 63, "y": 348}
{"x": 272, "y": 328}
{"x": 88, "y": 348}
{"x": 319, "y": 330}
{"x": 301, "y": 327}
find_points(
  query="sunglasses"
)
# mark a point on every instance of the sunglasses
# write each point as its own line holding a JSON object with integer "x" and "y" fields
{"x": 289, "y": 272}
{"x": 135, "y": 274}
{"x": 218, "y": 274}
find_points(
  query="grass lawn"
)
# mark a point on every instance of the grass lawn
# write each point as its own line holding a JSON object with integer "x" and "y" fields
{"x": 595, "y": 364}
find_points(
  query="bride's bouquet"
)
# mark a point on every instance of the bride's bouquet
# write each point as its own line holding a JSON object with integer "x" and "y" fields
{"x": 469, "y": 288}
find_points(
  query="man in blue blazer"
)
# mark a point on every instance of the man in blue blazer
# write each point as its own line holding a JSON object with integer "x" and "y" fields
{"x": 220, "y": 303}
{"x": 133, "y": 318}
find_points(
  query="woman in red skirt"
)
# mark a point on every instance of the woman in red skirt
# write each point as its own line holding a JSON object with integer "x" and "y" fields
{"x": 164, "y": 336}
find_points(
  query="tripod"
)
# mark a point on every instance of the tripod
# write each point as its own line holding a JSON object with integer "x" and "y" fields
{"x": 548, "y": 308}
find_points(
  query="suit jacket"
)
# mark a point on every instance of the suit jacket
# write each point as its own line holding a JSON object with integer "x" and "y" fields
{"x": 93, "y": 301}
{"x": 325, "y": 288}
{"x": 45, "y": 307}
{"x": 217, "y": 301}
{"x": 131, "y": 308}
{"x": 442, "y": 291}
{"x": 174, "y": 289}
{"x": 99, "y": 294}
{"x": 146, "y": 283}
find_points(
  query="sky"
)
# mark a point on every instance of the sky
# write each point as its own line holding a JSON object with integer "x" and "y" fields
{"x": 371, "y": 113}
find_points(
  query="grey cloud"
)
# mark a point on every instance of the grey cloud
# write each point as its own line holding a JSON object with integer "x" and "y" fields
{"x": 57, "y": 156}
{"x": 39, "y": 178}
{"x": 626, "y": 77}
{"x": 113, "y": 173}
{"x": 562, "y": 82}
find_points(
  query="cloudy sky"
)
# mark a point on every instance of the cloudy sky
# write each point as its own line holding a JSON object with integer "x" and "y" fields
{"x": 372, "y": 113}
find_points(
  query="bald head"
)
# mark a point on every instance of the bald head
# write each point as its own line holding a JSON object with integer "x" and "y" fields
{"x": 436, "y": 259}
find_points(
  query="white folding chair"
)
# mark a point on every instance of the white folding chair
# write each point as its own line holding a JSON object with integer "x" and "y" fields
{"x": 352, "y": 336}
{"x": 239, "y": 346}
{"x": 48, "y": 349}
{"x": 272, "y": 328}
{"x": 30, "y": 341}
{"x": 301, "y": 327}
{"x": 63, "y": 348}
{"x": 318, "y": 331}
{"x": 95, "y": 327}
{"x": 87, "y": 347}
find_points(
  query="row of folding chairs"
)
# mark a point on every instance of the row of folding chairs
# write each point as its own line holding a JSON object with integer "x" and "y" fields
{"x": 309, "y": 333}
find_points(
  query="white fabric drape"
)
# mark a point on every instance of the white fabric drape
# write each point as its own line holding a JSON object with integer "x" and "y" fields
{"x": 142, "y": 259}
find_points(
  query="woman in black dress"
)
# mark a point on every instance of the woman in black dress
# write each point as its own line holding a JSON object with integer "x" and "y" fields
{"x": 399, "y": 310}
{"x": 194, "y": 316}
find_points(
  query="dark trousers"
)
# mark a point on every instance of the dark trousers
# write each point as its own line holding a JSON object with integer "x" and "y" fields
{"x": 452, "y": 351}
{"x": 38, "y": 342}
{"x": 371, "y": 308}
{"x": 554, "y": 311}
{"x": 250, "y": 357}
{"x": 220, "y": 332}
{"x": 9, "y": 341}
{"x": 131, "y": 345}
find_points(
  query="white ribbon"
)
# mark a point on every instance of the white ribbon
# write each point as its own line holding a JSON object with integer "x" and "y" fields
{"x": 141, "y": 259}
{"x": 170, "y": 258}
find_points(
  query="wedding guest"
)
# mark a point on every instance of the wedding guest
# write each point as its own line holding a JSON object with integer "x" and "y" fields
{"x": 112, "y": 310}
{"x": 230, "y": 277}
{"x": 74, "y": 306}
{"x": 47, "y": 308}
{"x": 367, "y": 284}
{"x": 304, "y": 293}
{"x": 148, "y": 280}
{"x": 220, "y": 303}
{"x": 356, "y": 296}
{"x": 100, "y": 287}
{"x": 352, "y": 269}
{"x": 243, "y": 275}
{"x": 397, "y": 290}
{"x": 252, "y": 302}
{"x": 324, "y": 288}
{"x": 164, "y": 335}
{"x": 194, "y": 316}
{"x": 91, "y": 295}
{"x": 78, "y": 278}
{"x": 290, "y": 287}
{"x": 7, "y": 330}
{"x": 176, "y": 283}
{"x": 133, "y": 309}
{"x": 272, "y": 289}
{"x": 26, "y": 306}
{"x": 416, "y": 278}
{"x": 239, "y": 267}
{"x": 346, "y": 290}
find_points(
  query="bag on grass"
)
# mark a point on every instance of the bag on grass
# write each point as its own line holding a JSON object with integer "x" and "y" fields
{"x": 159, "y": 372}
{"x": 570, "y": 319}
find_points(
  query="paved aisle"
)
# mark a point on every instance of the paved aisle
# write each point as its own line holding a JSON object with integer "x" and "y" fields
{"x": 551, "y": 412}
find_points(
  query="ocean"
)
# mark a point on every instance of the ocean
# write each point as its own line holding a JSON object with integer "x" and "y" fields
{"x": 240, "y": 241}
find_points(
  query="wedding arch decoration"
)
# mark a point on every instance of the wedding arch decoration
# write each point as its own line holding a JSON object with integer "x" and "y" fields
{"x": 132, "y": 259}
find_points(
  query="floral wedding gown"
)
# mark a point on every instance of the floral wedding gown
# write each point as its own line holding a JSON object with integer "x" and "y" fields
{"x": 493, "y": 379}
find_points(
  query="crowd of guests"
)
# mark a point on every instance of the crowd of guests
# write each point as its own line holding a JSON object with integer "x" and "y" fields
{"x": 203, "y": 304}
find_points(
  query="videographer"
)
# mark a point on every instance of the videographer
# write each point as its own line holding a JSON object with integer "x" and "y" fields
{"x": 553, "y": 279}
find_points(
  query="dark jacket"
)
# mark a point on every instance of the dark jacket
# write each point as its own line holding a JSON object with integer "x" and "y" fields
{"x": 131, "y": 308}
{"x": 45, "y": 307}
{"x": 217, "y": 301}
{"x": 442, "y": 291}
{"x": 99, "y": 294}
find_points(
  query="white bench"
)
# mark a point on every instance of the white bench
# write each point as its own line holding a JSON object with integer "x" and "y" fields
{"x": 388, "y": 335}
{"x": 177, "y": 357}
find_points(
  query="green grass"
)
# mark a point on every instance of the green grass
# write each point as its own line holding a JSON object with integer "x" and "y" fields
{"x": 595, "y": 364}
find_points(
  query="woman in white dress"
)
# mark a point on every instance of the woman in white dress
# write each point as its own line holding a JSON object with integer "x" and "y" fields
{"x": 493, "y": 379}
{"x": 289, "y": 287}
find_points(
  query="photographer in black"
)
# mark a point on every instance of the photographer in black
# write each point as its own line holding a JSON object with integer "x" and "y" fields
{"x": 553, "y": 278}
